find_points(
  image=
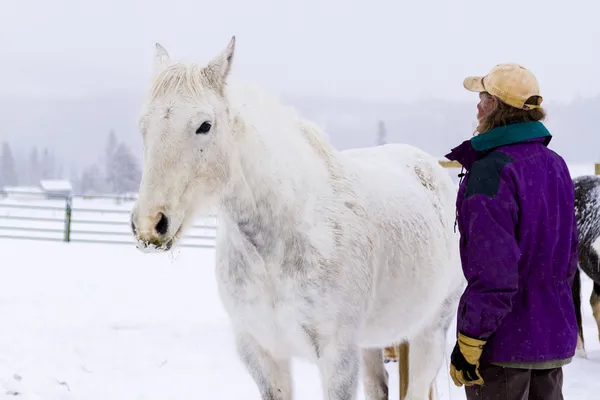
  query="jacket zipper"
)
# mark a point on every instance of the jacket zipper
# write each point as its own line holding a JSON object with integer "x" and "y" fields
{"x": 461, "y": 176}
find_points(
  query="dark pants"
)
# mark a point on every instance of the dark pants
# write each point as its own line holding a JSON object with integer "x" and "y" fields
{"x": 517, "y": 384}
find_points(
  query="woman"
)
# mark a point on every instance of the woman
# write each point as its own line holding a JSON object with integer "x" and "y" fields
{"x": 515, "y": 213}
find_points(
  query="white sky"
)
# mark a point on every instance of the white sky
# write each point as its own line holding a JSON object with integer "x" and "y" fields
{"x": 379, "y": 49}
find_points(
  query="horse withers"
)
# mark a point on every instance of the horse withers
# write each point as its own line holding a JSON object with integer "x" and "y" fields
{"x": 326, "y": 255}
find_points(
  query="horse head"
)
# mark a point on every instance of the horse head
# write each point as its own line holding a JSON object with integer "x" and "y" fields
{"x": 187, "y": 137}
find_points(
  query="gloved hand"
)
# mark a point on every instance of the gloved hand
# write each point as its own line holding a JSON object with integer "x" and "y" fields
{"x": 464, "y": 362}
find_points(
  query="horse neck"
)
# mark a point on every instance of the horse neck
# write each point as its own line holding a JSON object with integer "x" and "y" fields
{"x": 278, "y": 177}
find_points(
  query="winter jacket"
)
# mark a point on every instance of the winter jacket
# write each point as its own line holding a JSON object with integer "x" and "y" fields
{"x": 516, "y": 217}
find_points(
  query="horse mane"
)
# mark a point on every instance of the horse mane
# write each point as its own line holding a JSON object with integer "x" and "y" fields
{"x": 253, "y": 103}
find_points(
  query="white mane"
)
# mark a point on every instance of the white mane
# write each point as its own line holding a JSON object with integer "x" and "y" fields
{"x": 266, "y": 113}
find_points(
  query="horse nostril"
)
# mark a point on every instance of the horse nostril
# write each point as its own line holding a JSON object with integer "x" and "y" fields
{"x": 162, "y": 225}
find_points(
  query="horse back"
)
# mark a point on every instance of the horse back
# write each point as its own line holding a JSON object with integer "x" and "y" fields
{"x": 409, "y": 199}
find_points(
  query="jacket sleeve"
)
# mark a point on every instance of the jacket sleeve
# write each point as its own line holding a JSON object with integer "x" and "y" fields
{"x": 490, "y": 250}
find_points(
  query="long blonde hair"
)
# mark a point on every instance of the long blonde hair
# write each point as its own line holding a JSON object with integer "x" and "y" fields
{"x": 504, "y": 114}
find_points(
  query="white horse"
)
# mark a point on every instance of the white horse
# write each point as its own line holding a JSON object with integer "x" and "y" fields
{"x": 320, "y": 254}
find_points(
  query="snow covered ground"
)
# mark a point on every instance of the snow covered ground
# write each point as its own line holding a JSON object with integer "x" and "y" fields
{"x": 100, "y": 322}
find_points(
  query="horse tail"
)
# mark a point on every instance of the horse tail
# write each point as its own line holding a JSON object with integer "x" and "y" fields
{"x": 576, "y": 290}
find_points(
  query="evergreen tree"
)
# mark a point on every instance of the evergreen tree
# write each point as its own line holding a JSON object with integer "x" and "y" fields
{"x": 111, "y": 171}
{"x": 47, "y": 165}
{"x": 91, "y": 180}
{"x": 381, "y": 134}
{"x": 59, "y": 173}
{"x": 121, "y": 170}
{"x": 126, "y": 171}
{"x": 8, "y": 168}
{"x": 33, "y": 169}
{"x": 22, "y": 168}
{"x": 111, "y": 144}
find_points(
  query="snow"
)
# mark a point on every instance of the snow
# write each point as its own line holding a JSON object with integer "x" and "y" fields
{"x": 90, "y": 321}
{"x": 581, "y": 169}
{"x": 56, "y": 185}
{"x": 22, "y": 189}
{"x": 21, "y": 192}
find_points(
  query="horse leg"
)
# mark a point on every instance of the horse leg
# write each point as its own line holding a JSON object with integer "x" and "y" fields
{"x": 339, "y": 363}
{"x": 403, "y": 368}
{"x": 595, "y": 303}
{"x": 375, "y": 376}
{"x": 425, "y": 359}
{"x": 390, "y": 354}
{"x": 272, "y": 376}
{"x": 576, "y": 290}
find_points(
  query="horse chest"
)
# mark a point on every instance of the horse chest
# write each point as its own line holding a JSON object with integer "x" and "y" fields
{"x": 273, "y": 307}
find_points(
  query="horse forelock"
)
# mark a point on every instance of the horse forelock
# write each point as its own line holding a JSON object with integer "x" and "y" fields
{"x": 186, "y": 80}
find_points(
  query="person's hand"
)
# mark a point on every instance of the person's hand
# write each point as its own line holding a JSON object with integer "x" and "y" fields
{"x": 464, "y": 362}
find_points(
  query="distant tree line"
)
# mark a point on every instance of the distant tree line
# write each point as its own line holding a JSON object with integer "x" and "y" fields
{"x": 8, "y": 167}
{"x": 16, "y": 171}
{"x": 116, "y": 172}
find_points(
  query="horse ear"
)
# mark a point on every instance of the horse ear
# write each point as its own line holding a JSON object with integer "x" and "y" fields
{"x": 161, "y": 58}
{"x": 220, "y": 66}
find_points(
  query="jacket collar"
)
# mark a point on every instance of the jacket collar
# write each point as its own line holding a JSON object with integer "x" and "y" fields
{"x": 473, "y": 149}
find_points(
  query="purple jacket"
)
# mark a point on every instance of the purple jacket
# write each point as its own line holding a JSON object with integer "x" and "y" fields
{"x": 516, "y": 217}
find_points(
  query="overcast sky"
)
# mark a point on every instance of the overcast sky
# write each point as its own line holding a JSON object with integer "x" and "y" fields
{"x": 380, "y": 49}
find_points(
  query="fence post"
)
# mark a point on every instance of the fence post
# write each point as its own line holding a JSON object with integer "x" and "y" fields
{"x": 68, "y": 219}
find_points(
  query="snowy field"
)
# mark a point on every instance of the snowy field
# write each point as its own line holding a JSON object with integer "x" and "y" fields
{"x": 99, "y": 322}
{"x": 106, "y": 322}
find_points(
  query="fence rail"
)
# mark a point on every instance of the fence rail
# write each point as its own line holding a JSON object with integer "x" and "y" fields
{"x": 83, "y": 219}
{"x": 95, "y": 219}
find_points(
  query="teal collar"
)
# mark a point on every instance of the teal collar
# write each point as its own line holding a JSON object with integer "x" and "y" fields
{"x": 510, "y": 134}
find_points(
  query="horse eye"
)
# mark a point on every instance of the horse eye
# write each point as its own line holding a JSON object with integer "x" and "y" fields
{"x": 204, "y": 128}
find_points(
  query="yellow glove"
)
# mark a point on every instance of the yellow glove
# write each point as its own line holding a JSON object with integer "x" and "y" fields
{"x": 464, "y": 367}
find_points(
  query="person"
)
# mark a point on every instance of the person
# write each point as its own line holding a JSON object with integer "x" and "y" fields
{"x": 516, "y": 325}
